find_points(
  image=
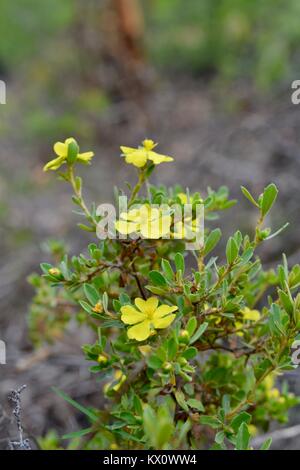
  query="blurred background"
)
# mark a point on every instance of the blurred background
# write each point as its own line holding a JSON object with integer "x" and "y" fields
{"x": 210, "y": 80}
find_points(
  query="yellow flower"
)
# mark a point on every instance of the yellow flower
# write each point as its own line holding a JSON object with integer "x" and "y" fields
{"x": 139, "y": 156}
{"x": 273, "y": 393}
{"x": 62, "y": 150}
{"x": 269, "y": 381}
{"x": 98, "y": 308}
{"x": 118, "y": 380}
{"x": 252, "y": 429}
{"x": 151, "y": 223}
{"x": 147, "y": 318}
{"x": 184, "y": 199}
{"x": 248, "y": 315}
{"x": 252, "y": 315}
{"x": 185, "y": 229}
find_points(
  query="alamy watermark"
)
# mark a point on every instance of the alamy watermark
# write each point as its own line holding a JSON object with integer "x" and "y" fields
{"x": 295, "y": 96}
{"x": 296, "y": 352}
{"x": 2, "y": 353}
{"x": 2, "y": 92}
{"x": 152, "y": 221}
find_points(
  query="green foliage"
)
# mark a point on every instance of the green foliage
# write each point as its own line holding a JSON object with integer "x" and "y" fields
{"x": 203, "y": 375}
{"x": 235, "y": 38}
{"x": 26, "y": 26}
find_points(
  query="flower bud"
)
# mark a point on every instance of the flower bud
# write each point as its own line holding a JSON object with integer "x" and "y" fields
{"x": 102, "y": 360}
{"x": 184, "y": 336}
{"x": 73, "y": 151}
{"x": 98, "y": 308}
{"x": 182, "y": 361}
{"x": 54, "y": 272}
{"x": 167, "y": 367}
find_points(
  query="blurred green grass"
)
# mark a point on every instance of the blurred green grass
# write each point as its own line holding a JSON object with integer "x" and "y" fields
{"x": 56, "y": 54}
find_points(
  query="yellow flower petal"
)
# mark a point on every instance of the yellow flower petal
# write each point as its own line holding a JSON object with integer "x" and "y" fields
{"x": 165, "y": 224}
{"x": 182, "y": 197}
{"x": 140, "y": 332}
{"x": 269, "y": 381}
{"x": 85, "y": 157}
{"x": 149, "y": 144}
{"x": 54, "y": 164}
{"x": 163, "y": 322}
{"x": 154, "y": 229}
{"x": 238, "y": 325}
{"x": 61, "y": 149}
{"x": 131, "y": 316}
{"x": 126, "y": 150}
{"x": 157, "y": 158}
{"x": 273, "y": 393}
{"x": 69, "y": 140}
{"x": 133, "y": 215}
{"x": 164, "y": 310}
{"x": 147, "y": 306}
{"x": 136, "y": 157}
{"x": 126, "y": 227}
{"x": 121, "y": 378}
{"x": 150, "y": 230}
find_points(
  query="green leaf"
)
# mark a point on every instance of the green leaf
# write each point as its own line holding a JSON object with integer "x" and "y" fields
{"x": 85, "y": 306}
{"x": 179, "y": 262}
{"x": 93, "y": 417}
{"x": 231, "y": 250}
{"x": 276, "y": 319}
{"x": 281, "y": 229}
{"x": 267, "y": 444}
{"x": 154, "y": 362}
{"x": 124, "y": 298}
{"x": 268, "y": 198}
{"x": 243, "y": 437}
{"x": 86, "y": 228}
{"x": 190, "y": 353}
{"x": 196, "y": 404}
{"x": 157, "y": 278}
{"x": 172, "y": 349}
{"x": 226, "y": 403}
{"x": 199, "y": 332}
{"x": 212, "y": 240}
{"x": 219, "y": 438}
{"x": 167, "y": 269}
{"x": 249, "y": 196}
{"x": 158, "y": 426}
{"x": 156, "y": 290}
{"x": 286, "y": 301}
{"x": 75, "y": 434}
{"x": 242, "y": 417}
{"x": 179, "y": 395}
{"x": 149, "y": 421}
{"x": 210, "y": 421}
{"x": 126, "y": 436}
{"x": 91, "y": 294}
{"x": 191, "y": 325}
{"x": 45, "y": 267}
{"x": 105, "y": 301}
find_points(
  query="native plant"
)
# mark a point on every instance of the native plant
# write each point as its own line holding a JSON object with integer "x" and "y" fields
{"x": 187, "y": 345}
